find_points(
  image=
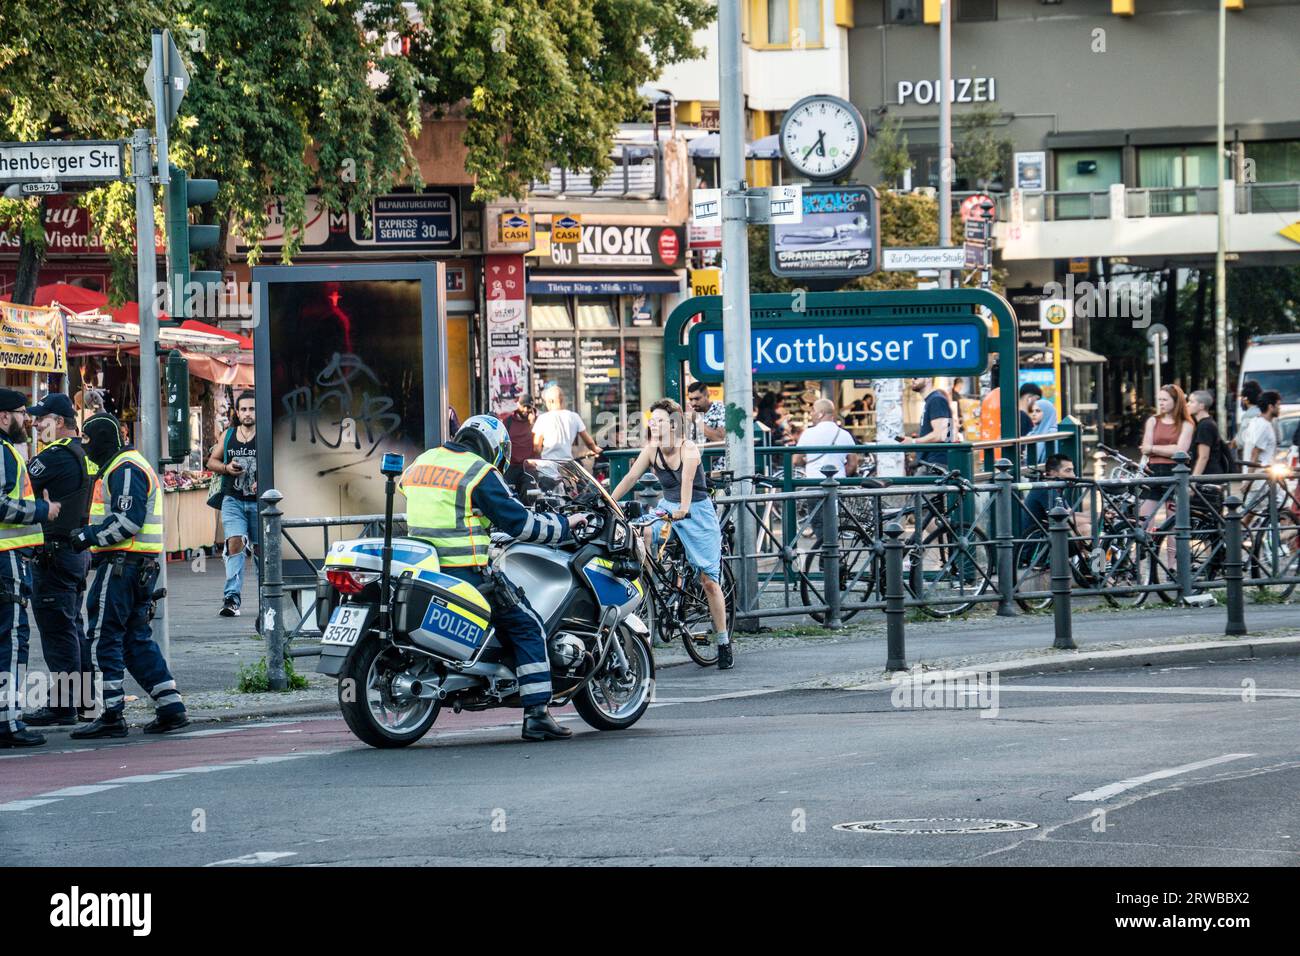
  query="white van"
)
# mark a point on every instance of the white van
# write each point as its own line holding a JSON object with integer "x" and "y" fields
{"x": 1274, "y": 362}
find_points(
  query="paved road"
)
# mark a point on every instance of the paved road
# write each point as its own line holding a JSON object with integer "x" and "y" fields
{"x": 1192, "y": 765}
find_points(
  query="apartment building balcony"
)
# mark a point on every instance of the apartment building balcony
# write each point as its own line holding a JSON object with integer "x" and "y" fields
{"x": 1150, "y": 223}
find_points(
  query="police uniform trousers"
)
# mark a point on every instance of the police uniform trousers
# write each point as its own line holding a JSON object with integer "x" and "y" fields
{"x": 15, "y": 588}
{"x": 520, "y": 629}
{"x": 121, "y": 590}
{"x": 58, "y": 582}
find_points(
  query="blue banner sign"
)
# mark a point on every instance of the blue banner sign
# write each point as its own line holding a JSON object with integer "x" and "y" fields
{"x": 858, "y": 350}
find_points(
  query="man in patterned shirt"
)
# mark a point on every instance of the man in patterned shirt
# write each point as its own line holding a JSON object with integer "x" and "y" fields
{"x": 708, "y": 418}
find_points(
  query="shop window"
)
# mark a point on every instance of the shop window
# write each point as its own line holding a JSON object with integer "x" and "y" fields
{"x": 596, "y": 314}
{"x": 1176, "y": 171}
{"x": 602, "y": 387}
{"x": 903, "y": 11}
{"x": 551, "y": 313}
{"x": 1082, "y": 171}
{"x": 641, "y": 311}
{"x": 554, "y": 363}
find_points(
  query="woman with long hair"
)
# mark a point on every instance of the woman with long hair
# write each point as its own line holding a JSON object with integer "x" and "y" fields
{"x": 676, "y": 462}
{"x": 1167, "y": 432}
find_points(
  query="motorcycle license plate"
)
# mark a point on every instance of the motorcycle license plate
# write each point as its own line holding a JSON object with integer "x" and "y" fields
{"x": 346, "y": 624}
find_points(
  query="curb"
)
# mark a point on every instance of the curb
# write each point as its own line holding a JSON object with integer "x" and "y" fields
{"x": 1072, "y": 661}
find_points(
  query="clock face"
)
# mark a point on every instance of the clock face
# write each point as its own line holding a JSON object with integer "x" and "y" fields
{"x": 822, "y": 137}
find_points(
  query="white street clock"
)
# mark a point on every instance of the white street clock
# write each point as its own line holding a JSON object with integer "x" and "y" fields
{"x": 823, "y": 136}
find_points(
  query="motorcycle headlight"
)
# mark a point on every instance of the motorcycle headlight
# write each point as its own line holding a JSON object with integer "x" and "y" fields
{"x": 618, "y": 536}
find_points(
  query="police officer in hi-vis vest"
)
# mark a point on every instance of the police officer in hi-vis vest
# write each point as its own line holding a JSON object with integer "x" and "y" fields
{"x": 454, "y": 494}
{"x": 20, "y": 532}
{"x": 125, "y": 538}
{"x": 59, "y": 571}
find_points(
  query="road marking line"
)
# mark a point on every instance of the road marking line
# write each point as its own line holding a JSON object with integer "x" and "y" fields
{"x": 1203, "y": 691}
{"x": 25, "y": 804}
{"x": 254, "y": 859}
{"x": 1110, "y": 790}
{"x": 82, "y": 790}
{"x": 734, "y": 695}
{"x": 211, "y": 768}
{"x": 143, "y": 778}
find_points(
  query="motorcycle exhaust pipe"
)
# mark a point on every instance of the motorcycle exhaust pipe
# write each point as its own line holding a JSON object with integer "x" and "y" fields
{"x": 404, "y": 686}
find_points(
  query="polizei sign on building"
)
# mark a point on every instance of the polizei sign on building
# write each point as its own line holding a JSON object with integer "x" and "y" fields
{"x": 54, "y": 161}
{"x": 938, "y": 345}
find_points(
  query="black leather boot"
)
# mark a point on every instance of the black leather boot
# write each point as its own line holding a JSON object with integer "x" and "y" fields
{"x": 109, "y": 724}
{"x": 540, "y": 725}
{"x": 21, "y": 738}
{"x": 725, "y": 661}
{"x": 45, "y": 717}
{"x": 163, "y": 725}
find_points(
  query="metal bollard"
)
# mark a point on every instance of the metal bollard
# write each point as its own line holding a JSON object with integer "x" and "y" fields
{"x": 272, "y": 590}
{"x": 1059, "y": 533}
{"x": 1183, "y": 525}
{"x": 1006, "y": 539}
{"x": 1232, "y": 563}
{"x": 831, "y": 546}
{"x": 896, "y": 655}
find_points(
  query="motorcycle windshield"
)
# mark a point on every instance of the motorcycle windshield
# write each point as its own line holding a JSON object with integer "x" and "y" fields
{"x": 564, "y": 479}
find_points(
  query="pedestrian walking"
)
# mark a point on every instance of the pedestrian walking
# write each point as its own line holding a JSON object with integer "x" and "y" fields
{"x": 125, "y": 538}
{"x": 21, "y": 514}
{"x": 558, "y": 428}
{"x": 235, "y": 459}
{"x": 519, "y": 424}
{"x": 62, "y": 471}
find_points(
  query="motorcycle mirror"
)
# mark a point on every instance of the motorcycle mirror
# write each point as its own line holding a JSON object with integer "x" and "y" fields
{"x": 392, "y": 465}
{"x": 632, "y": 510}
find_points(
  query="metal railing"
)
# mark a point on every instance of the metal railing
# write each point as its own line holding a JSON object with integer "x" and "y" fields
{"x": 1152, "y": 202}
{"x": 944, "y": 546}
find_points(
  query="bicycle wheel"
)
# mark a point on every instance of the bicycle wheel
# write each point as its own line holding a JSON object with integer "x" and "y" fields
{"x": 696, "y": 621}
{"x": 951, "y": 565}
{"x": 1275, "y": 555}
{"x": 860, "y": 575}
{"x": 1033, "y": 569}
{"x": 1121, "y": 563}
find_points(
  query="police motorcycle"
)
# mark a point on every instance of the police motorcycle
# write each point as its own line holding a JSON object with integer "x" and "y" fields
{"x": 404, "y": 640}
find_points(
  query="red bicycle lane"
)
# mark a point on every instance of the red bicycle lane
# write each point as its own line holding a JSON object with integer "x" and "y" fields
{"x": 67, "y": 768}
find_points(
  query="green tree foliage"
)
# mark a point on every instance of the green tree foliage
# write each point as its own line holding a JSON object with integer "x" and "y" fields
{"x": 981, "y": 155}
{"x": 327, "y": 95}
{"x": 889, "y": 152}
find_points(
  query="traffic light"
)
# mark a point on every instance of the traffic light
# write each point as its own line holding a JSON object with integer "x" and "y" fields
{"x": 184, "y": 239}
{"x": 176, "y": 380}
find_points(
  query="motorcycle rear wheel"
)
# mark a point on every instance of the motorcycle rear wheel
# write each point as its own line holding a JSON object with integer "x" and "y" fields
{"x": 609, "y": 704}
{"x": 369, "y": 709}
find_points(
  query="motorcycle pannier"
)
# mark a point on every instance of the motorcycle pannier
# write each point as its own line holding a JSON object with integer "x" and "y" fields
{"x": 441, "y": 614}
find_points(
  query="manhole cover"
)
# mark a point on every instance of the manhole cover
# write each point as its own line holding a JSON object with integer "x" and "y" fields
{"x": 936, "y": 826}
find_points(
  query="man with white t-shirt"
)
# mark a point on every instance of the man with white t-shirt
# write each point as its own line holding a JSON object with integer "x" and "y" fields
{"x": 557, "y": 428}
{"x": 825, "y": 432}
{"x": 1258, "y": 435}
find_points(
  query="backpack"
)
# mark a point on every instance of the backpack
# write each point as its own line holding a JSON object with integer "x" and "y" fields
{"x": 217, "y": 490}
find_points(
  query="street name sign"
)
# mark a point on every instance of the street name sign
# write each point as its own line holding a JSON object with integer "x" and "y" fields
{"x": 59, "y": 161}
{"x": 849, "y": 348}
{"x": 915, "y": 260}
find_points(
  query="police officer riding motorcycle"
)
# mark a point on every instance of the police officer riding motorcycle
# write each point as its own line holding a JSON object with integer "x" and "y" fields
{"x": 454, "y": 615}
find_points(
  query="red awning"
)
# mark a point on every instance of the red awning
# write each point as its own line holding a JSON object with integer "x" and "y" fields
{"x": 76, "y": 299}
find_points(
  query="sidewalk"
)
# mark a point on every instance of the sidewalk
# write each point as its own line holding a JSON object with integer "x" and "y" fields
{"x": 207, "y": 650}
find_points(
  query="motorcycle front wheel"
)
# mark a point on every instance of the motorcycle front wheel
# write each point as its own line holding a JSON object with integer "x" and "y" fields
{"x": 613, "y": 701}
{"x": 366, "y": 699}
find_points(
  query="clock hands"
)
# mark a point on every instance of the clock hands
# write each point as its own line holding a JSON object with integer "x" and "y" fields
{"x": 820, "y": 145}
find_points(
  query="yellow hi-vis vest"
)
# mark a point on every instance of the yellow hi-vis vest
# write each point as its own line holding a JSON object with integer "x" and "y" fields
{"x": 439, "y": 487}
{"x": 150, "y": 538}
{"x": 20, "y": 535}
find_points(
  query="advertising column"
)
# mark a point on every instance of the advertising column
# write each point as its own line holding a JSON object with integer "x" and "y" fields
{"x": 507, "y": 332}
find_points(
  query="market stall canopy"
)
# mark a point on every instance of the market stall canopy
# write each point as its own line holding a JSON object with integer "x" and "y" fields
{"x": 1042, "y": 355}
{"x": 213, "y": 357}
{"x": 767, "y": 147}
{"x": 708, "y": 147}
{"x": 77, "y": 301}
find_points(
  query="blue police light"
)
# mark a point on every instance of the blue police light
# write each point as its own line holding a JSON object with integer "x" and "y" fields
{"x": 392, "y": 465}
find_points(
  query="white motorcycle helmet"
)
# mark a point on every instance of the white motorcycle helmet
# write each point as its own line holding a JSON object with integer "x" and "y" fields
{"x": 486, "y": 437}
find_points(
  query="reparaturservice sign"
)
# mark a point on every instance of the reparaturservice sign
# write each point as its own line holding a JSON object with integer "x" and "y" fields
{"x": 858, "y": 350}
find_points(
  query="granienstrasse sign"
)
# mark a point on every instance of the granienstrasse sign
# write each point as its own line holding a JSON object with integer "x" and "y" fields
{"x": 56, "y": 161}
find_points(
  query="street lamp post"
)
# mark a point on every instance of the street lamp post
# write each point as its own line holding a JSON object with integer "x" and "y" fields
{"x": 945, "y": 134}
{"x": 1220, "y": 268}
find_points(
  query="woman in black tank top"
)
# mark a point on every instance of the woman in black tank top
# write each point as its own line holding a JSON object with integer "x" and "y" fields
{"x": 676, "y": 463}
